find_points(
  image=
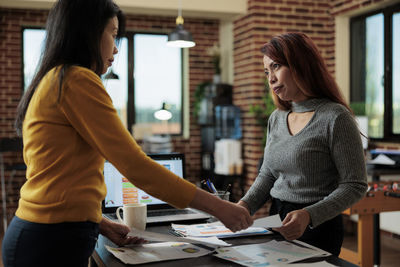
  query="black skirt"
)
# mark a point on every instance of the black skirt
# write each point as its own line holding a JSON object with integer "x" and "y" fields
{"x": 327, "y": 236}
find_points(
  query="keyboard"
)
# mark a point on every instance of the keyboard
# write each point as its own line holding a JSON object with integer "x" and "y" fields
{"x": 112, "y": 216}
{"x": 154, "y": 213}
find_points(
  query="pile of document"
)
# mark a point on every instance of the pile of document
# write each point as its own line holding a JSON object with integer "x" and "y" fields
{"x": 157, "y": 144}
{"x": 388, "y": 157}
{"x": 215, "y": 229}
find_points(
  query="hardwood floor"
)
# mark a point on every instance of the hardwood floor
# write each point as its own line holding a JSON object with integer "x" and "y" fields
{"x": 390, "y": 248}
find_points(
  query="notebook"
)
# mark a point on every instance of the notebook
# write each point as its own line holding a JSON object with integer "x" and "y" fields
{"x": 120, "y": 191}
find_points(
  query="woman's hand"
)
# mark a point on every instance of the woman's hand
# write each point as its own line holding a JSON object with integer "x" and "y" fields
{"x": 233, "y": 216}
{"x": 294, "y": 224}
{"x": 118, "y": 233}
{"x": 243, "y": 204}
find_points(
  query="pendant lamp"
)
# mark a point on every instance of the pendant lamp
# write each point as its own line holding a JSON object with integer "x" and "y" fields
{"x": 163, "y": 114}
{"x": 180, "y": 37}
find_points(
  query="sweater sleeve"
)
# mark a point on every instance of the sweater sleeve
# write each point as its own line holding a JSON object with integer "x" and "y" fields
{"x": 259, "y": 192}
{"x": 89, "y": 109}
{"x": 348, "y": 157}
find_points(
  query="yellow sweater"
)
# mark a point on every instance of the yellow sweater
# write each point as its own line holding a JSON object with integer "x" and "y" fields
{"x": 65, "y": 144}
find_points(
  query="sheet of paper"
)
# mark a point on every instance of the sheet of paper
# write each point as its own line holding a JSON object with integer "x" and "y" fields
{"x": 272, "y": 253}
{"x": 312, "y": 264}
{"x": 215, "y": 229}
{"x": 151, "y": 236}
{"x": 157, "y": 252}
{"x": 297, "y": 248}
{"x": 268, "y": 222}
{"x": 302, "y": 244}
{"x": 382, "y": 159}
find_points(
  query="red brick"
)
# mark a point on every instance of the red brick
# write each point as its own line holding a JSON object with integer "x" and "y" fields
{"x": 264, "y": 19}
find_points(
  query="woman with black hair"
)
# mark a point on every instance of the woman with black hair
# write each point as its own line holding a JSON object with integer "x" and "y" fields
{"x": 69, "y": 127}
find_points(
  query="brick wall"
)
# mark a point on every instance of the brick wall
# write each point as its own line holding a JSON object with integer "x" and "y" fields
{"x": 342, "y": 6}
{"x": 264, "y": 19}
{"x": 11, "y": 23}
{"x": 205, "y": 33}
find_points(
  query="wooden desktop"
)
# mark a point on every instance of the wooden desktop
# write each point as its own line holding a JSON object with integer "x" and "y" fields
{"x": 101, "y": 257}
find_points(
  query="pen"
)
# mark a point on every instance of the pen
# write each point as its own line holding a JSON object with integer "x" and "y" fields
{"x": 175, "y": 233}
{"x": 227, "y": 188}
{"x": 207, "y": 186}
{"x": 203, "y": 183}
{"x": 211, "y": 185}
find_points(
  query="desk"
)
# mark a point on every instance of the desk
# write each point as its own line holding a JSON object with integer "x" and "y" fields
{"x": 368, "y": 210}
{"x": 101, "y": 257}
{"x": 376, "y": 173}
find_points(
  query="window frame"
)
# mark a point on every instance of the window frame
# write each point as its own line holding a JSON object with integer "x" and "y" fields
{"x": 131, "y": 113}
{"x": 388, "y": 133}
{"x": 131, "y": 81}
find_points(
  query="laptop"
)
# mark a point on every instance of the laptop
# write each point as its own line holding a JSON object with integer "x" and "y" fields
{"x": 120, "y": 191}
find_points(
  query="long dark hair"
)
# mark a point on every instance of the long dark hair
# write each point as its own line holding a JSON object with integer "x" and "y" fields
{"x": 73, "y": 34}
{"x": 298, "y": 52}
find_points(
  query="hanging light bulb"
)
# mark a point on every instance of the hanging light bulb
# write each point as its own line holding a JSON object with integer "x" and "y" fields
{"x": 163, "y": 114}
{"x": 180, "y": 37}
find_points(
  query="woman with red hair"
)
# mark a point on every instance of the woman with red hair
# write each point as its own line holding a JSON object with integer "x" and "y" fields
{"x": 313, "y": 166}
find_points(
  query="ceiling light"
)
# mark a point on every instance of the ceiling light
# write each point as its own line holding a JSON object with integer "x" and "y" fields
{"x": 163, "y": 114}
{"x": 180, "y": 37}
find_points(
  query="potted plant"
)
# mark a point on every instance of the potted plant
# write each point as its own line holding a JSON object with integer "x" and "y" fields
{"x": 199, "y": 95}
{"x": 215, "y": 53}
{"x": 200, "y": 92}
{"x": 263, "y": 111}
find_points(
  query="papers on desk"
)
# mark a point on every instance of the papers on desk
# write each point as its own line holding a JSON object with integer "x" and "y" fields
{"x": 268, "y": 222}
{"x": 272, "y": 253}
{"x": 216, "y": 229}
{"x": 151, "y": 236}
{"x": 157, "y": 252}
{"x": 168, "y": 247}
{"x": 382, "y": 160}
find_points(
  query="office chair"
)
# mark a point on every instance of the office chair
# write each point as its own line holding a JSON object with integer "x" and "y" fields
{"x": 8, "y": 145}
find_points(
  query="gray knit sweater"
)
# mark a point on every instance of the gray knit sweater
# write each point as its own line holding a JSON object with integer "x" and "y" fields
{"x": 322, "y": 164}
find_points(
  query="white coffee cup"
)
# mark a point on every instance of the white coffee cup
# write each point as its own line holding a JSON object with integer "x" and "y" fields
{"x": 135, "y": 215}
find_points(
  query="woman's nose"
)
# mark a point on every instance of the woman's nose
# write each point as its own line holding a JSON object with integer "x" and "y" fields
{"x": 115, "y": 50}
{"x": 272, "y": 78}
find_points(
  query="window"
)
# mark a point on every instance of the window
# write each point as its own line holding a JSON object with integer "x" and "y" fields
{"x": 117, "y": 87}
{"x": 375, "y": 69}
{"x": 157, "y": 80}
{"x": 32, "y": 48}
{"x": 148, "y": 74}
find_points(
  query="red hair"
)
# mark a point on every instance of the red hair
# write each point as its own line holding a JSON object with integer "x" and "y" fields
{"x": 298, "y": 52}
